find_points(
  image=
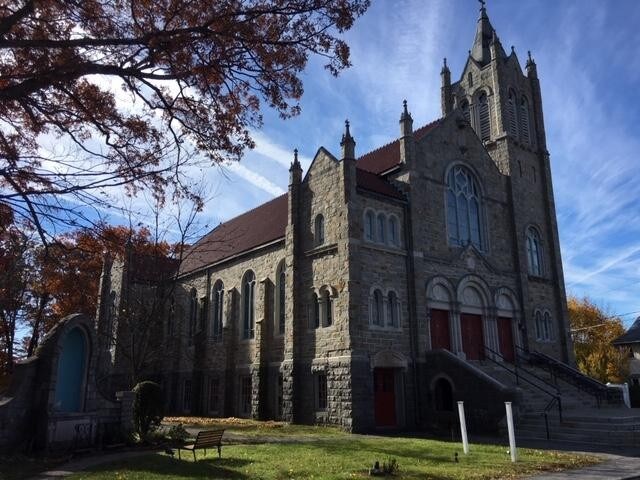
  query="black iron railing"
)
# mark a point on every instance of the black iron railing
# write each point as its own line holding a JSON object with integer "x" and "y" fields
{"x": 521, "y": 374}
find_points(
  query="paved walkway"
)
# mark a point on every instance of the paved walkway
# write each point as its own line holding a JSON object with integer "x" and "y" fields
{"x": 614, "y": 468}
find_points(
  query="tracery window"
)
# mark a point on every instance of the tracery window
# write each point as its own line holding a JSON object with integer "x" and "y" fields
{"x": 248, "y": 303}
{"x": 534, "y": 252}
{"x": 217, "y": 303}
{"x": 464, "y": 210}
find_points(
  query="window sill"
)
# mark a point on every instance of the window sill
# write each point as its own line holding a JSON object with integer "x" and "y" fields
{"x": 384, "y": 248}
{"x": 385, "y": 328}
{"x": 320, "y": 250}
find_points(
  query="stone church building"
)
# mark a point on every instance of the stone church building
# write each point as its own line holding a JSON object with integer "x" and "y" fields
{"x": 369, "y": 295}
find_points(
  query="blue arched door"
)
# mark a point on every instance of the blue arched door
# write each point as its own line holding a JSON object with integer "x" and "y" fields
{"x": 71, "y": 372}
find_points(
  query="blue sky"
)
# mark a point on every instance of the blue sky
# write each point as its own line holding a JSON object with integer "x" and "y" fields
{"x": 589, "y": 67}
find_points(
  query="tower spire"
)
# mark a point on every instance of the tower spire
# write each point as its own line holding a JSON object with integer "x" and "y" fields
{"x": 485, "y": 37}
{"x": 348, "y": 144}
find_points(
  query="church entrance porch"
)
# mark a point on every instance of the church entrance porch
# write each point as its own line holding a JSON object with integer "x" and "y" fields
{"x": 384, "y": 397}
{"x": 472, "y": 337}
{"x": 505, "y": 337}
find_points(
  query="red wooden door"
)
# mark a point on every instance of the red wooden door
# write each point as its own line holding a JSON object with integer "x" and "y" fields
{"x": 472, "y": 339}
{"x": 505, "y": 336}
{"x": 440, "y": 336}
{"x": 384, "y": 397}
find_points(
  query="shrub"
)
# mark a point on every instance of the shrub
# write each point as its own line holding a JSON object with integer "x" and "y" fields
{"x": 147, "y": 408}
{"x": 177, "y": 433}
{"x": 390, "y": 467}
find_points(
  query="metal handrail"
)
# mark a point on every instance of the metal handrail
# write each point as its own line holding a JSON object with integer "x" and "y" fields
{"x": 579, "y": 379}
{"x": 555, "y": 397}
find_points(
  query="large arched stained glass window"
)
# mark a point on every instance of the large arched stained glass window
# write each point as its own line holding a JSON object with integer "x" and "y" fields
{"x": 248, "y": 303}
{"x": 464, "y": 209}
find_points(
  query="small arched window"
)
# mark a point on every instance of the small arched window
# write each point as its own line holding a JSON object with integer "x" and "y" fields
{"x": 463, "y": 208}
{"x": 382, "y": 227}
{"x": 534, "y": 252}
{"x": 369, "y": 226}
{"x": 217, "y": 304}
{"x": 525, "y": 134}
{"x": 484, "y": 118}
{"x": 193, "y": 312}
{"x": 512, "y": 115}
{"x": 539, "y": 325}
{"x": 377, "y": 308}
{"x": 282, "y": 298}
{"x": 248, "y": 305}
{"x": 393, "y": 311}
{"x": 319, "y": 229}
{"x": 327, "y": 307}
{"x": 548, "y": 331}
{"x": 314, "y": 311}
{"x": 394, "y": 234}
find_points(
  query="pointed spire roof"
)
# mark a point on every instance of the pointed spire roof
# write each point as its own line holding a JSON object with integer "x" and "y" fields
{"x": 485, "y": 36}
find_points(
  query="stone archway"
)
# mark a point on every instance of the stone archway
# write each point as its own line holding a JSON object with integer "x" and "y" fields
{"x": 71, "y": 372}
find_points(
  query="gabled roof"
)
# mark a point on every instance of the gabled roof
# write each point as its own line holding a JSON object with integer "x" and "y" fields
{"x": 262, "y": 225}
{"x": 388, "y": 156}
{"x": 268, "y": 222}
{"x": 631, "y": 336}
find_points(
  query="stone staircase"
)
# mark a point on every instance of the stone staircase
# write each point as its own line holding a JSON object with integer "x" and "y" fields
{"x": 583, "y": 422}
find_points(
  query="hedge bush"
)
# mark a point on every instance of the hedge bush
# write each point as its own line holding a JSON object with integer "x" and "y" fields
{"x": 148, "y": 407}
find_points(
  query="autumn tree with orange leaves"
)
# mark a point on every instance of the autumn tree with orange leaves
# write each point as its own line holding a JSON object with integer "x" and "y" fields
{"x": 593, "y": 332}
{"x": 131, "y": 91}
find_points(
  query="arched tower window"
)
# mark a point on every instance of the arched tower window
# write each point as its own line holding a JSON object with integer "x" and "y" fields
{"x": 512, "y": 114}
{"x": 393, "y": 311}
{"x": 248, "y": 305}
{"x": 464, "y": 106}
{"x": 525, "y": 134}
{"x": 281, "y": 292}
{"x": 394, "y": 234}
{"x": 534, "y": 252}
{"x": 463, "y": 208}
{"x": 327, "y": 307}
{"x": 193, "y": 312}
{"x": 382, "y": 226}
{"x": 377, "y": 308}
{"x": 369, "y": 226}
{"x": 217, "y": 303}
{"x": 319, "y": 229}
{"x": 484, "y": 118}
{"x": 314, "y": 311}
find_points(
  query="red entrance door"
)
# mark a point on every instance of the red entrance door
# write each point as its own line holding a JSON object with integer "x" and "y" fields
{"x": 505, "y": 336}
{"x": 472, "y": 340}
{"x": 440, "y": 336}
{"x": 384, "y": 397}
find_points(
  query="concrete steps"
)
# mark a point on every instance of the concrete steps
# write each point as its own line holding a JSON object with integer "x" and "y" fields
{"x": 582, "y": 423}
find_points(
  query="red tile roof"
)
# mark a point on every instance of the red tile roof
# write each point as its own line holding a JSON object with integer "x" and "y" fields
{"x": 267, "y": 223}
{"x": 256, "y": 227}
{"x": 388, "y": 156}
{"x": 374, "y": 183}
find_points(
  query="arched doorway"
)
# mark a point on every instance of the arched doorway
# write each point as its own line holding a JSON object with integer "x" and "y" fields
{"x": 70, "y": 380}
{"x": 443, "y": 395}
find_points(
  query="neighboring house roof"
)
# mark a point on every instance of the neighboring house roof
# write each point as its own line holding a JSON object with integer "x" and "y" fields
{"x": 388, "y": 156}
{"x": 268, "y": 222}
{"x": 631, "y": 336}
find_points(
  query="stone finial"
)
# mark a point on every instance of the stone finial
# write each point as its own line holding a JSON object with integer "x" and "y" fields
{"x": 295, "y": 170}
{"x": 406, "y": 121}
{"x": 347, "y": 143}
{"x": 445, "y": 68}
{"x": 532, "y": 70}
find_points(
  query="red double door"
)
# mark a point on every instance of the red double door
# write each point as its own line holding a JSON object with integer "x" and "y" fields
{"x": 440, "y": 333}
{"x": 384, "y": 397}
{"x": 472, "y": 337}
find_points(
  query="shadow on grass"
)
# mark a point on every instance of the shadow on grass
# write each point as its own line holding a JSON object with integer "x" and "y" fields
{"x": 164, "y": 466}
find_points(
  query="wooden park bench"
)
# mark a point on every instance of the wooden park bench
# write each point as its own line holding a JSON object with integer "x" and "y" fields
{"x": 205, "y": 439}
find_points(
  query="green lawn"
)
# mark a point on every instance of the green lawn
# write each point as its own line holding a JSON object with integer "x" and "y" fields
{"x": 345, "y": 457}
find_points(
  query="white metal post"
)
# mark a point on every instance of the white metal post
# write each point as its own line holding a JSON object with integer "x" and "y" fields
{"x": 512, "y": 434}
{"x": 463, "y": 428}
